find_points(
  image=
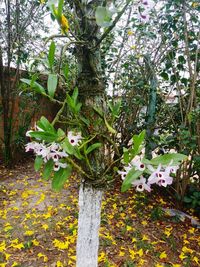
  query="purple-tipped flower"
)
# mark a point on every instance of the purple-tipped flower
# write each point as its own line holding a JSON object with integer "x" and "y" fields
{"x": 141, "y": 184}
{"x": 48, "y": 152}
{"x": 74, "y": 138}
{"x": 143, "y": 10}
{"x": 138, "y": 164}
{"x": 34, "y": 146}
{"x": 143, "y": 16}
{"x": 123, "y": 174}
{"x": 161, "y": 175}
{"x": 147, "y": 4}
{"x": 59, "y": 165}
{"x": 155, "y": 175}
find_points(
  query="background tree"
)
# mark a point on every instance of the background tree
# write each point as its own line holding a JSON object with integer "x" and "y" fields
{"x": 170, "y": 41}
{"x": 18, "y": 20}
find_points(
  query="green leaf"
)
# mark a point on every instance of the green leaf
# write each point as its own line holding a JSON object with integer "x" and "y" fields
{"x": 46, "y": 136}
{"x": 52, "y": 84}
{"x": 125, "y": 155}
{"x": 34, "y": 85}
{"x": 60, "y": 177}
{"x": 146, "y": 161}
{"x": 98, "y": 111}
{"x": 164, "y": 75}
{"x": 83, "y": 119}
{"x": 187, "y": 199}
{"x": 66, "y": 71}
{"x": 38, "y": 163}
{"x": 115, "y": 108}
{"x": 181, "y": 59}
{"x": 77, "y": 153}
{"x": 196, "y": 194}
{"x": 70, "y": 102}
{"x": 60, "y": 133}
{"x": 51, "y": 54}
{"x": 34, "y": 78}
{"x": 48, "y": 168}
{"x": 52, "y": 2}
{"x": 110, "y": 129}
{"x": 167, "y": 158}
{"x": 78, "y": 107}
{"x": 137, "y": 143}
{"x": 103, "y": 16}
{"x": 130, "y": 177}
{"x": 92, "y": 147}
{"x": 68, "y": 147}
{"x": 75, "y": 94}
{"x": 45, "y": 125}
{"x": 53, "y": 9}
{"x": 60, "y": 8}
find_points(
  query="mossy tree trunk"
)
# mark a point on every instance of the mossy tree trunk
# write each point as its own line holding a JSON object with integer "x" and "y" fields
{"x": 92, "y": 94}
{"x": 151, "y": 108}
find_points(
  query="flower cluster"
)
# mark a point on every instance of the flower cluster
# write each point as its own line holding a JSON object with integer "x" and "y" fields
{"x": 144, "y": 8}
{"x": 160, "y": 176}
{"x": 53, "y": 151}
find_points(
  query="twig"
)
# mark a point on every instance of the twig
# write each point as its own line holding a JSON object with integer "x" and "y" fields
{"x": 79, "y": 168}
{"x": 54, "y": 36}
{"x": 111, "y": 166}
{"x": 59, "y": 113}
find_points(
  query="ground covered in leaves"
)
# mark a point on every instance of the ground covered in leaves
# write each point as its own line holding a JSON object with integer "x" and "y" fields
{"x": 38, "y": 227}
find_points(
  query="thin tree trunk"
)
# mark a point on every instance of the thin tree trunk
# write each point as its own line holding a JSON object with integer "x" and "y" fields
{"x": 151, "y": 110}
{"x": 88, "y": 226}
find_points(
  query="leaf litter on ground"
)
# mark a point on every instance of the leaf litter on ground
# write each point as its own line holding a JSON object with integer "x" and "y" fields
{"x": 38, "y": 227}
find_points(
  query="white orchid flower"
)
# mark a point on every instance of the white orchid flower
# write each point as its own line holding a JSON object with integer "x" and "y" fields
{"x": 54, "y": 147}
{"x": 162, "y": 178}
{"x": 147, "y": 4}
{"x": 171, "y": 169}
{"x": 123, "y": 174}
{"x": 59, "y": 165}
{"x": 74, "y": 138}
{"x": 55, "y": 156}
{"x": 141, "y": 184}
{"x": 138, "y": 164}
{"x": 143, "y": 10}
{"x": 30, "y": 146}
{"x": 144, "y": 16}
{"x": 28, "y": 133}
{"x": 155, "y": 175}
{"x": 43, "y": 151}
{"x": 33, "y": 146}
{"x": 165, "y": 180}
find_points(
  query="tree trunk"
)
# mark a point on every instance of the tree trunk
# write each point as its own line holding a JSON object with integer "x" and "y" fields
{"x": 5, "y": 99}
{"x": 88, "y": 226}
{"x": 91, "y": 87}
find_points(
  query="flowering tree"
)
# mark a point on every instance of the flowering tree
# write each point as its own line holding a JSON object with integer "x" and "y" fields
{"x": 88, "y": 145}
